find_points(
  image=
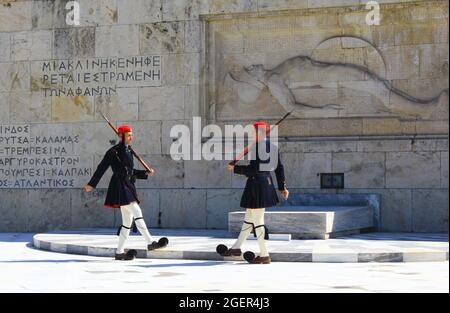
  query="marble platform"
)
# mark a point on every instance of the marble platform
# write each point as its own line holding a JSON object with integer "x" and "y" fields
{"x": 201, "y": 245}
{"x": 318, "y": 216}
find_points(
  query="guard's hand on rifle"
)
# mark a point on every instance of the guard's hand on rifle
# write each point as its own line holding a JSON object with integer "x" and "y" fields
{"x": 88, "y": 188}
{"x": 151, "y": 172}
{"x": 285, "y": 194}
{"x": 230, "y": 167}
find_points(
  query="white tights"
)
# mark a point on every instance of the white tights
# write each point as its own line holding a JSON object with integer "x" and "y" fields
{"x": 129, "y": 212}
{"x": 255, "y": 216}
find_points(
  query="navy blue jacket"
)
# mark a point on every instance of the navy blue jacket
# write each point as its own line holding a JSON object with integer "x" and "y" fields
{"x": 121, "y": 190}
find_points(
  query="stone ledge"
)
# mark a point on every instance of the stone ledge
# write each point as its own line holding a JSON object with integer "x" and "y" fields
{"x": 201, "y": 244}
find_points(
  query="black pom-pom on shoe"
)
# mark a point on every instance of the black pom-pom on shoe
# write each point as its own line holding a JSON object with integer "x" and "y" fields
{"x": 221, "y": 249}
{"x": 249, "y": 256}
{"x": 163, "y": 242}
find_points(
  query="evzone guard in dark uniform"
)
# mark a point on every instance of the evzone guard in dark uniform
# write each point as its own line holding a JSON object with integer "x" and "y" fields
{"x": 259, "y": 194}
{"x": 122, "y": 192}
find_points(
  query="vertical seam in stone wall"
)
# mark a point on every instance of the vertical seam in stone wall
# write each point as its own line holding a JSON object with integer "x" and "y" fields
{"x": 440, "y": 169}
{"x": 70, "y": 208}
{"x": 385, "y": 169}
{"x": 161, "y": 137}
{"x": 411, "y": 192}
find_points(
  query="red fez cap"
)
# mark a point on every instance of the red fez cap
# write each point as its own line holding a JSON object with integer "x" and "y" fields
{"x": 262, "y": 125}
{"x": 124, "y": 129}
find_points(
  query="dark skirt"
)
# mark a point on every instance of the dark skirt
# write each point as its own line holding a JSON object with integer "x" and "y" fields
{"x": 259, "y": 193}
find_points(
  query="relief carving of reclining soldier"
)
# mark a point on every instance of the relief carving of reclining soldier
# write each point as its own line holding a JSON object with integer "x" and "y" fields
{"x": 314, "y": 86}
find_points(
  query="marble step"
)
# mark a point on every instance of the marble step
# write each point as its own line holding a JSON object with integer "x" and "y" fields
{"x": 312, "y": 222}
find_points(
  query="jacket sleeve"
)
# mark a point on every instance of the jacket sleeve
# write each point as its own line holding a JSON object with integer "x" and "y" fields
{"x": 101, "y": 169}
{"x": 247, "y": 170}
{"x": 279, "y": 173}
{"x": 140, "y": 174}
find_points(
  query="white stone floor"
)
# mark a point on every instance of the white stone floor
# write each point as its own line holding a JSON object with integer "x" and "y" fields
{"x": 26, "y": 269}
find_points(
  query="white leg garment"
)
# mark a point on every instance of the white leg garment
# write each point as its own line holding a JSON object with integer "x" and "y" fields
{"x": 127, "y": 221}
{"x": 258, "y": 219}
{"x": 140, "y": 223}
{"x": 245, "y": 230}
{"x": 129, "y": 212}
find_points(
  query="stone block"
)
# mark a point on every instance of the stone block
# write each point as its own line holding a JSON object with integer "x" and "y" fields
{"x": 5, "y": 47}
{"x": 302, "y": 169}
{"x": 396, "y": 210}
{"x": 384, "y": 145}
{"x": 146, "y": 136}
{"x": 434, "y": 61}
{"x": 4, "y": 107}
{"x": 237, "y": 6}
{"x": 402, "y": 62}
{"x": 183, "y": 209}
{"x": 361, "y": 170}
{"x": 93, "y": 138}
{"x": 92, "y": 13}
{"x": 413, "y": 169}
{"x": 121, "y": 105}
{"x": 432, "y": 127}
{"x": 430, "y": 210}
{"x": 140, "y": 11}
{"x": 72, "y": 109}
{"x": 150, "y": 206}
{"x": 74, "y": 42}
{"x": 181, "y": 69}
{"x": 14, "y": 209}
{"x": 424, "y": 145}
{"x": 299, "y": 128}
{"x": 102, "y": 12}
{"x": 264, "y": 5}
{"x": 318, "y": 146}
{"x": 42, "y": 14}
{"x": 119, "y": 40}
{"x": 36, "y": 45}
{"x": 161, "y": 103}
{"x": 87, "y": 209}
{"x": 387, "y": 126}
{"x": 219, "y": 203}
{"x": 206, "y": 174}
{"x": 158, "y": 38}
{"x": 14, "y": 76}
{"x": 415, "y": 34}
{"x": 30, "y": 107}
{"x": 192, "y": 106}
{"x": 168, "y": 173}
{"x": 49, "y": 210}
{"x": 327, "y": 3}
{"x": 444, "y": 169}
{"x": 192, "y": 36}
{"x": 442, "y": 145}
{"x": 180, "y": 10}
{"x": 336, "y": 127}
{"x": 15, "y": 16}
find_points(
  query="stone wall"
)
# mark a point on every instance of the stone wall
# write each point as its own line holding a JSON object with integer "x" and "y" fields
{"x": 388, "y": 134}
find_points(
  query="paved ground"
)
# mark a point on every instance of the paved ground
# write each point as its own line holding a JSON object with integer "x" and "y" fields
{"x": 26, "y": 269}
{"x": 201, "y": 245}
